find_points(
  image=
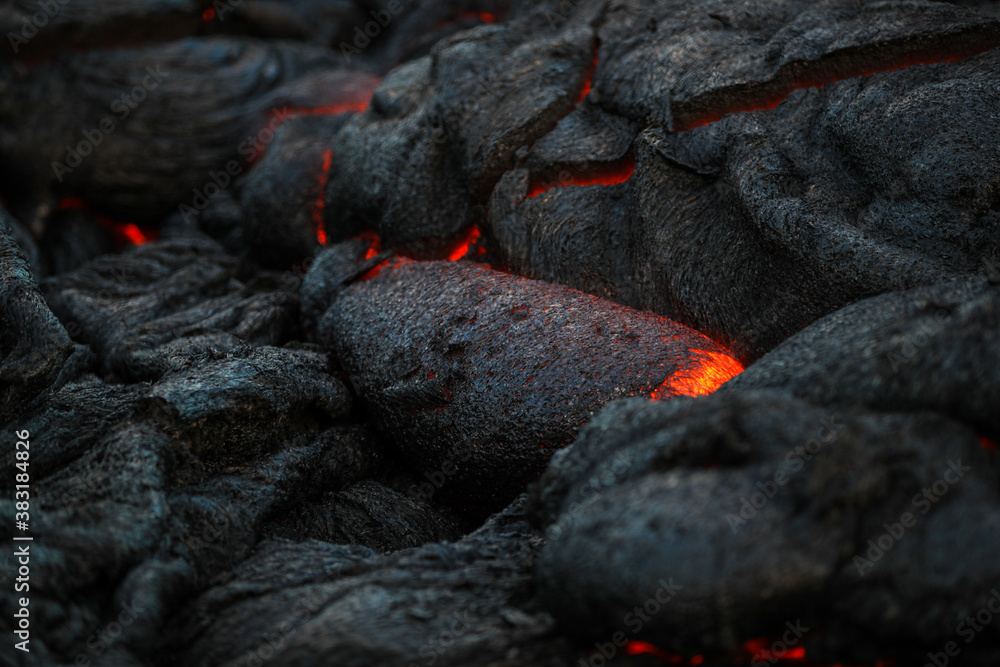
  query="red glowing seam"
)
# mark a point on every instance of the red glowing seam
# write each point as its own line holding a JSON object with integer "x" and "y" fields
{"x": 208, "y": 15}
{"x": 611, "y": 174}
{"x": 709, "y": 371}
{"x": 460, "y": 249}
{"x": 760, "y": 648}
{"x": 317, "y": 212}
{"x": 390, "y": 263}
{"x": 987, "y": 444}
{"x": 636, "y": 647}
{"x": 125, "y": 233}
{"x": 588, "y": 79}
{"x": 814, "y": 80}
{"x": 356, "y": 106}
{"x": 464, "y": 245}
{"x": 464, "y": 17}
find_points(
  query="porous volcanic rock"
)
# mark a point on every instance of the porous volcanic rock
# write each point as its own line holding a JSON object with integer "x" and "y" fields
{"x": 699, "y": 524}
{"x": 480, "y": 375}
{"x": 868, "y": 185}
{"x": 466, "y": 603}
{"x": 156, "y": 306}
{"x": 153, "y": 126}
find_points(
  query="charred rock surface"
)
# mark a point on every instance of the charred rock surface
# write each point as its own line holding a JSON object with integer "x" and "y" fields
{"x": 738, "y": 513}
{"x": 367, "y": 514}
{"x": 282, "y": 199}
{"x": 156, "y": 306}
{"x": 248, "y": 399}
{"x": 36, "y": 31}
{"x": 760, "y": 53}
{"x": 442, "y": 130}
{"x": 483, "y": 374}
{"x": 931, "y": 348}
{"x": 467, "y": 603}
{"x": 864, "y": 186}
{"x": 145, "y": 493}
{"x": 34, "y": 347}
{"x": 137, "y": 132}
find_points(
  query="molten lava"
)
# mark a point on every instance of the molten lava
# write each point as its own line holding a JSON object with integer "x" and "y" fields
{"x": 610, "y": 174}
{"x": 460, "y": 249}
{"x": 588, "y": 79}
{"x": 712, "y": 371}
{"x": 820, "y": 77}
{"x": 317, "y": 212}
{"x": 125, "y": 233}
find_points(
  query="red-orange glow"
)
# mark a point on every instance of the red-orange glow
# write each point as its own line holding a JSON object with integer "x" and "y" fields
{"x": 320, "y": 205}
{"x": 379, "y": 268}
{"x": 375, "y": 270}
{"x": 208, "y": 15}
{"x": 72, "y": 204}
{"x": 125, "y": 233}
{"x": 645, "y": 648}
{"x": 356, "y": 106}
{"x": 611, "y": 174}
{"x": 462, "y": 246}
{"x": 132, "y": 233}
{"x": 761, "y": 648}
{"x": 987, "y": 444}
{"x": 818, "y": 79}
{"x": 588, "y": 79}
{"x": 709, "y": 372}
{"x": 373, "y": 239}
{"x": 464, "y": 17}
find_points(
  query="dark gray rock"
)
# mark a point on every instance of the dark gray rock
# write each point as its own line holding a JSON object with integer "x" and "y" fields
{"x": 34, "y": 345}
{"x": 247, "y": 399}
{"x": 481, "y": 375}
{"x": 698, "y": 524}
{"x": 367, "y": 514}
{"x": 178, "y": 112}
{"x": 467, "y": 603}
{"x": 653, "y": 54}
{"x": 157, "y": 306}
{"x": 865, "y": 186}
{"x": 931, "y": 348}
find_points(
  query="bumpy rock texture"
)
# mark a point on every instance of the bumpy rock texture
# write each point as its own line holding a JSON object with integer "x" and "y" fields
{"x": 467, "y": 603}
{"x": 765, "y": 507}
{"x": 483, "y": 374}
{"x": 255, "y": 451}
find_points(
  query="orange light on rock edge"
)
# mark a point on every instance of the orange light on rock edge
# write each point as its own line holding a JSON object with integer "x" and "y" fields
{"x": 711, "y": 371}
{"x": 610, "y": 174}
{"x": 814, "y": 80}
{"x": 320, "y": 205}
{"x": 125, "y": 233}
